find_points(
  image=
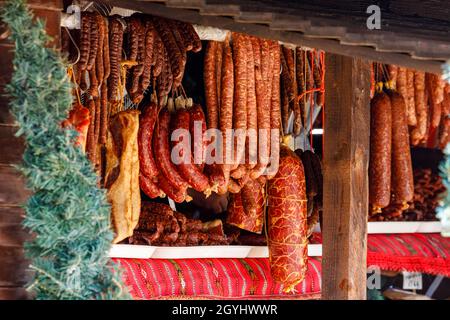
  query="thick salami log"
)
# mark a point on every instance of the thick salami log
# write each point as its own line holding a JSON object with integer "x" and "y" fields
{"x": 287, "y": 222}
{"x": 187, "y": 169}
{"x": 226, "y": 115}
{"x": 402, "y": 174}
{"x": 251, "y": 219}
{"x": 380, "y": 151}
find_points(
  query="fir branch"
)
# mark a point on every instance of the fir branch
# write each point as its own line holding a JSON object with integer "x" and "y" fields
{"x": 68, "y": 214}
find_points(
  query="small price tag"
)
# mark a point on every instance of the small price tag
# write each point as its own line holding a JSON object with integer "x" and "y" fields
{"x": 412, "y": 280}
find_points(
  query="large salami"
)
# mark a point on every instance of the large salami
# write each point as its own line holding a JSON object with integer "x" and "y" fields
{"x": 380, "y": 151}
{"x": 287, "y": 221}
{"x": 402, "y": 174}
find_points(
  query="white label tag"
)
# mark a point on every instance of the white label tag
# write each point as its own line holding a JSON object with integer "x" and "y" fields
{"x": 412, "y": 280}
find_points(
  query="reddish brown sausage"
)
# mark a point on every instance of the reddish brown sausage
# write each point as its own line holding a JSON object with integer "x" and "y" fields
{"x": 402, "y": 174}
{"x": 146, "y": 126}
{"x": 197, "y": 117}
{"x": 287, "y": 221}
{"x": 149, "y": 187}
{"x": 380, "y": 151}
{"x": 187, "y": 169}
{"x": 209, "y": 77}
{"x": 162, "y": 153}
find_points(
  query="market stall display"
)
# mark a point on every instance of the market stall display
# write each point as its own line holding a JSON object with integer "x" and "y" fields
{"x": 176, "y": 119}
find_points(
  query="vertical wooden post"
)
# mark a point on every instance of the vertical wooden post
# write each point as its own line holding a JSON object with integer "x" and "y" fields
{"x": 14, "y": 271}
{"x": 346, "y": 157}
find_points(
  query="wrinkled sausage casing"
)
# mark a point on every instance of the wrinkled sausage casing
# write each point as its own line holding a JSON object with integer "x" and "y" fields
{"x": 287, "y": 221}
{"x": 402, "y": 174}
{"x": 380, "y": 151}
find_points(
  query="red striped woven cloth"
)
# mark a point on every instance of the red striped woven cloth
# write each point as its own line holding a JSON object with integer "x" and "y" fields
{"x": 213, "y": 279}
{"x": 250, "y": 278}
{"x": 414, "y": 252}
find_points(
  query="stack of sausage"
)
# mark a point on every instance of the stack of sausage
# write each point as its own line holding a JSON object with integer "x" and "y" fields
{"x": 427, "y": 99}
{"x": 428, "y": 188}
{"x": 302, "y": 75}
{"x": 159, "y": 46}
{"x": 159, "y": 175}
{"x": 390, "y": 166}
{"x": 156, "y": 52}
{"x": 242, "y": 93}
{"x": 159, "y": 225}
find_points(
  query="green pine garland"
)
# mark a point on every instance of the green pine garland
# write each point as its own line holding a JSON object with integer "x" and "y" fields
{"x": 68, "y": 214}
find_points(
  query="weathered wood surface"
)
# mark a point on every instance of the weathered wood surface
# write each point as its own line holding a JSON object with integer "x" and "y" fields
{"x": 14, "y": 271}
{"x": 11, "y": 146}
{"x": 346, "y": 156}
{"x": 343, "y": 32}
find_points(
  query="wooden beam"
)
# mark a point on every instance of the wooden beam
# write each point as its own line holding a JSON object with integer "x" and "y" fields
{"x": 329, "y": 45}
{"x": 346, "y": 158}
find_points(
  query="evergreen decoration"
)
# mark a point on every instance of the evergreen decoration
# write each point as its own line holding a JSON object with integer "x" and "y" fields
{"x": 446, "y": 71}
{"x": 68, "y": 214}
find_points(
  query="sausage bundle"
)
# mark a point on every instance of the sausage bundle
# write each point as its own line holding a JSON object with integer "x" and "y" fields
{"x": 287, "y": 221}
{"x": 426, "y": 105}
{"x": 302, "y": 85}
{"x": 380, "y": 151}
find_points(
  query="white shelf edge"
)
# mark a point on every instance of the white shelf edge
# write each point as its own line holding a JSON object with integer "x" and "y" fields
{"x": 196, "y": 252}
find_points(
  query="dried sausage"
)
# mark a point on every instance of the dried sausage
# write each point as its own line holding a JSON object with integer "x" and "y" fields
{"x": 402, "y": 175}
{"x": 380, "y": 151}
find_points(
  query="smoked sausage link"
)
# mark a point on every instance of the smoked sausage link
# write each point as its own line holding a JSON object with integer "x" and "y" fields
{"x": 287, "y": 221}
{"x": 188, "y": 171}
{"x": 162, "y": 152}
{"x": 146, "y": 126}
{"x": 402, "y": 174}
{"x": 380, "y": 151}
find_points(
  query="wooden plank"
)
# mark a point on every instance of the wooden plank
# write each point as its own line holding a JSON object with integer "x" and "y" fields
{"x": 12, "y": 147}
{"x": 14, "y": 268}
{"x": 346, "y": 154}
{"x": 14, "y": 293}
{"x": 11, "y": 215}
{"x": 13, "y": 235}
{"x": 12, "y": 187}
{"x": 328, "y": 45}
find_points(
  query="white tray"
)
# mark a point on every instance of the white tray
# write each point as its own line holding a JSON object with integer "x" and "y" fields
{"x": 405, "y": 227}
{"x": 146, "y": 252}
